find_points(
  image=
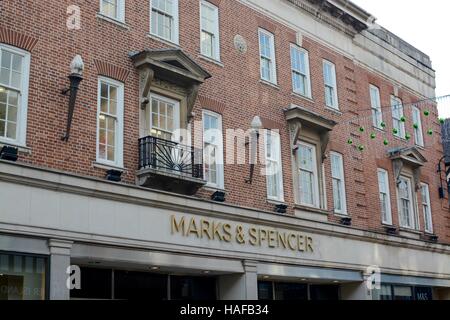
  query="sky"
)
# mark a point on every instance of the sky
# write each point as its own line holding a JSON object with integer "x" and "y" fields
{"x": 426, "y": 26}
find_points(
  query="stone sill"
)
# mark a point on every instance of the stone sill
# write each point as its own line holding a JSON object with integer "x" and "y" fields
{"x": 211, "y": 60}
{"x": 165, "y": 41}
{"x": 105, "y": 166}
{"x": 119, "y": 23}
{"x": 298, "y": 95}
{"x": 270, "y": 84}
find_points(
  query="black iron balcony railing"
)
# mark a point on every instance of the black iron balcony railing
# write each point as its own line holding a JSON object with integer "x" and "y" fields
{"x": 170, "y": 156}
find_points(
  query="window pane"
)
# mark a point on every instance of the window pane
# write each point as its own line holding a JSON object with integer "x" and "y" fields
{"x": 12, "y": 114}
{"x": 104, "y": 90}
{"x": 4, "y": 76}
{"x": 19, "y": 280}
{"x": 2, "y": 128}
{"x": 17, "y": 63}
{"x": 3, "y": 95}
{"x": 2, "y": 111}
{"x": 111, "y": 156}
{"x": 102, "y": 136}
{"x": 6, "y": 59}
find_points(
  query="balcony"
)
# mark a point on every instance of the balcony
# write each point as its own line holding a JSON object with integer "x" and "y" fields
{"x": 170, "y": 166}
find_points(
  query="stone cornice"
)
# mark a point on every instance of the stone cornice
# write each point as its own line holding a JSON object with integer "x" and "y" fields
{"x": 342, "y": 15}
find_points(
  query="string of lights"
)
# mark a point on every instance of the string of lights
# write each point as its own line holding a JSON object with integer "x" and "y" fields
{"x": 361, "y": 124}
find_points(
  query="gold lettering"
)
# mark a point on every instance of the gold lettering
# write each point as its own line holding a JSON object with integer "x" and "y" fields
{"x": 237, "y": 233}
{"x": 193, "y": 228}
{"x": 262, "y": 236}
{"x": 301, "y": 243}
{"x": 205, "y": 228}
{"x": 291, "y": 235}
{"x": 227, "y": 232}
{"x": 282, "y": 239}
{"x": 253, "y": 236}
{"x": 309, "y": 246}
{"x": 177, "y": 227}
{"x": 272, "y": 238}
{"x": 216, "y": 230}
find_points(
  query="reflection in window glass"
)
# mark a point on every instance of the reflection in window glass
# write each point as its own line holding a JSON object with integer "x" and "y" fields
{"x": 22, "y": 277}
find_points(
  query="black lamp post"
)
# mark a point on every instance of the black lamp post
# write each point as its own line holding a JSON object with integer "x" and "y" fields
{"x": 256, "y": 126}
{"x": 75, "y": 77}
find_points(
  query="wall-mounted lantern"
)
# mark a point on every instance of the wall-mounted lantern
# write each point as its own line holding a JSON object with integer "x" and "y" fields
{"x": 75, "y": 77}
{"x": 256, "y": 126}
{"x": 9, "y": 153}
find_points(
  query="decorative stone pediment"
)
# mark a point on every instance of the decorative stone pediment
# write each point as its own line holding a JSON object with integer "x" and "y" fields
{"x": 172, "y": 66}
{"x": 298, "y": 118}
{"x": 410, "y": 156}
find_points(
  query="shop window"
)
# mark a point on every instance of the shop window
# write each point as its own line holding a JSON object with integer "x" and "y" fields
{"x": 140, "y": 285}
{"x": 268, "y": 290}
{"x": 192, "y": 288}
{"x": 265, "y": 290}
{"x": 403, "y": 293}
{"x": 22, "y": 277}
{"x": 324, "y": 292}
{"x": 95, "y": 284}
{"x": 291, "y": 291}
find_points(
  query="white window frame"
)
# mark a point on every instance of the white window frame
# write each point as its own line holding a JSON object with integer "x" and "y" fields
{"x": 341, "y": 178}
{"x": 315, "y": 172}
{"x": 307, "y": 75}
{"x": 119, "y": 125}
{"x": 22, "y": 112}
{"x": 426, "y": 208}
{"x": 377, "y": 112}
{"x": 120, "y": 11}
{"x": 333, "y": 85}
{"x": 176, "y": 134}
{"x": 176, "y": 18}
{"x": 396, "y": 118}
{"x": 275, "y": 138}
{"x": 216, "y": 45}
{"x": 272, "y": 58}
{"x": 412, "y": 206}
{"x": 418, "y": 133}
{"x": 219, "y": 155}
{"x": 388, "y": 208}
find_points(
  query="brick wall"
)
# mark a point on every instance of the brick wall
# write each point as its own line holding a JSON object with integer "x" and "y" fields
{"x": 235, "y": 90}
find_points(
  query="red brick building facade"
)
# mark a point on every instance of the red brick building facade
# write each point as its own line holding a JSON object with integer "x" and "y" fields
{"x": 236, "y": 91}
